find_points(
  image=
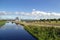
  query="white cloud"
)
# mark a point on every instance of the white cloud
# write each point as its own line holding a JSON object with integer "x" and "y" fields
{"x": 42, "y": 14}
{"x": 35, "y": 14}
{"x": 3, "y": 13}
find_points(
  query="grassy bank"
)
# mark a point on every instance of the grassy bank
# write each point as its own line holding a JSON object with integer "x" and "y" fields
{"x": 2, "y": 22}
{"x": 43, "y": 32}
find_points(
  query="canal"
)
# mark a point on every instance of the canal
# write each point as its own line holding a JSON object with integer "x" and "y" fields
{"x": 12, "y": 31}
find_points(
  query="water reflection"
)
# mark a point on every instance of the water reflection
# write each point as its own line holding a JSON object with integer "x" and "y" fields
{"x": 12, "y": 22}
{"x": 12, "y": 31}
{"x": 16, "y": 23}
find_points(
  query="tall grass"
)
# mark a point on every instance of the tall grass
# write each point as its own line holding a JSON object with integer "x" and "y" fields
{"x": 43, "y": 33}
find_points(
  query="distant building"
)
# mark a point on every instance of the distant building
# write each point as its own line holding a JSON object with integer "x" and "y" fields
{"x": 17, "y": 19}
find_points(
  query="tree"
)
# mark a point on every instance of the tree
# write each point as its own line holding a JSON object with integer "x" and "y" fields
{"x": 49, "y": 20}
{"x": 59, "y": 19}
{"x": 55, "y": 20}
{"x": 44, "y": 20}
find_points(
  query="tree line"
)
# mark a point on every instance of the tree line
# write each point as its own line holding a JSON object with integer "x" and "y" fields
{"x": 49, "y": 20}
{"x": 43, "y": 20}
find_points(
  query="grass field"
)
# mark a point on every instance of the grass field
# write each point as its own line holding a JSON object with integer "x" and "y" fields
{"x": 43, "y": 32}
{"x": 2, "y": 22}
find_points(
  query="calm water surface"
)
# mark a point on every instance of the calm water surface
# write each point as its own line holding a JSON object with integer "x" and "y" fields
{"x": 11, "y": 31}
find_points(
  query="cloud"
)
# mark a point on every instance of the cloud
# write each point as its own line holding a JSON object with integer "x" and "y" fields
{"x": 46, "y": 15}
{"x": 35, "y": 14}
{"x": 3, "y": 13}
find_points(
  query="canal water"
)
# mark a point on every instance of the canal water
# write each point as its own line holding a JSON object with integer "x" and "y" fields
{"x": 12, "y": 31}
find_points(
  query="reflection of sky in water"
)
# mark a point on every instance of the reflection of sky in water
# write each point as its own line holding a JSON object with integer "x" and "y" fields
{"x": 13, "y": 26}
{"x": 14, "y": 32}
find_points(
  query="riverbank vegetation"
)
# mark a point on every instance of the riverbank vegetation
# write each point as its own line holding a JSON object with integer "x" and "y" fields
{"x": 44, "y": 33}
{"x": 2, "y": 22}
{"x": 43, "y": 30}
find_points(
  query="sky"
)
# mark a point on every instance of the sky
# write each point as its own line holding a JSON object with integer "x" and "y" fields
{"x": 29, "y": 9}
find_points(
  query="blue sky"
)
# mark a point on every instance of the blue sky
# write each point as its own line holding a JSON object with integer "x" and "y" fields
{"x": 27, "y": 6}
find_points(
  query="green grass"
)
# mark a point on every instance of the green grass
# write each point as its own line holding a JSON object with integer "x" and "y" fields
{"x": 43, "y": 33}
{"x": 2, "y": 22}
